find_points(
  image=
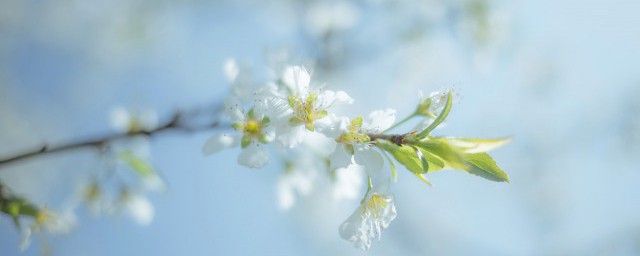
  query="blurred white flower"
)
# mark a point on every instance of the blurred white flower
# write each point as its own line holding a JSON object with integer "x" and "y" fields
{"x": 332, "y": 16}
{"x": 130, "y": 121}
{"x": 51, "y": 223}
{"x": 374, "y": 214}
{"x": 137, "y": 206}
{"x": 347, "y": 182}
{"x": 297, "y": 180}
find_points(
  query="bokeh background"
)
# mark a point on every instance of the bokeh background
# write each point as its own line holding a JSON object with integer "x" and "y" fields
{"x": 560, "y": 77}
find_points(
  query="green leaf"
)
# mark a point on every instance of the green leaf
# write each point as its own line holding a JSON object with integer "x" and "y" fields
{"x": 445, "y": 112}
{"x": 423, "y": 160}
{"x": 483, "y": 165}
{"x": 409, "y": 158}
{"x": 451, "y": 156}
{"x": 470, "y": 145}
{"x": 140, "y": 166}
{"x": 423, "y": 179}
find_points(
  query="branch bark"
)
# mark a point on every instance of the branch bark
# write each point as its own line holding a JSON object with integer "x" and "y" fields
{"x": 174, "y": 124}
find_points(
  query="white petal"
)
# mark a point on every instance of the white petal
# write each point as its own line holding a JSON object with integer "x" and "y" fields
{"x": 371, "y": 160}
{"x": 388, "y": 213}
{"x": 297, "y": 79}
{"x": 140, "y": 209}
{"x": 380, "y": 120}
{"x": 332, "y": 126}
{"x": 154, "y": 183}
{"x": 219, "y": 142}
{"x": 356, "y": 229}
{"x": 231, "y": 70}
{"x": 326, "y": 99}
{"x": 233, "y": 108}
{"x": 25, "y": 241}
{"x": 348, "y": 182}
{"x": 120, "y": 119}
{"x": 320, "y": 143}
{"x": 286, "y": 198}
{"x": 340, "y": 158}
{"x": 343, "y": 98}
{"x": 148, "y": 119}
{"x": 253, "y": 156}
{"x": 290, "y": 136}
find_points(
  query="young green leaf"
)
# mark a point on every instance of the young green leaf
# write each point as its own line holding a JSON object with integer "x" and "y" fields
{"x": 451, "y": 156}
{"x": 445, "y": 112}
{"x": 423, "y": 179}
{"x": 408, "y": 157}
{"x": 483, "y": 165}
{"x": 469, "y": 145}
{"x": 423, "y": 160}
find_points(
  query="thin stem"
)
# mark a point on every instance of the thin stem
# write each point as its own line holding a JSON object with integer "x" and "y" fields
{"x": 401, "y": 122}
{"x": 174, "y": 124}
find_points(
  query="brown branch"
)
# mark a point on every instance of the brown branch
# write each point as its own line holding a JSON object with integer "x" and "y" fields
{"x": 398, "y": 139}
{"x": 174, "y": 124}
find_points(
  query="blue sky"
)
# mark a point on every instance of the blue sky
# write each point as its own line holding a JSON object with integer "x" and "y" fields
{"x": 563, "y": 82}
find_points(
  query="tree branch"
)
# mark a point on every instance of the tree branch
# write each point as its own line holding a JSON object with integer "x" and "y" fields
{"x": 174, "y": 124}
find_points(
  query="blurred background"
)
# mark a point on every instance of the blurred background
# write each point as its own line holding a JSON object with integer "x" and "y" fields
{"x": 560, "y": 77}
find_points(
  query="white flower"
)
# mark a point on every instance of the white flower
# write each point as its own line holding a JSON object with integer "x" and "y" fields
{"x": 297, "y": 180}
{"x": 301, "y": 108}
{"x": 254, "y": 129}
{"x": 432, "y": 106}
{"x": 347, "y": 182}
{"x": 125, "y": 121}
{"x": 242, "y": 86}
{"x": 49, "y": 222}
{"x": 138, "y": 207}
{"x": 354, "y": 141}
{"x": 374, "y": 214}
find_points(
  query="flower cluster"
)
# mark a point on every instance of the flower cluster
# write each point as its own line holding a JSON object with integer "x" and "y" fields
{"x": 296, "y": 114}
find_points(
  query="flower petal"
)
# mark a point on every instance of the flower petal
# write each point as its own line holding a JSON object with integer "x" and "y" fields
{"x": 381, "y": 120}
{"x": 343, "y": 98}
{"x": 231, "y": 70}
{"x": 357, "y": 229}
{"x": 233, "y": 108}
{"x": 140, "y": 209}
{"x": 253, "y": 156}
{"x": 219, "y": 142}
{"x": 290, "y": 136}
{"x": 297, "y": 79}
{"x": 371, "y": 160}
{"x": 340, "y": 158}
{"x": 120, "y": 119}
{"x": 348, "y": 182}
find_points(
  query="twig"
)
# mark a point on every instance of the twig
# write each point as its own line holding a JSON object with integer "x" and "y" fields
{"x": 174, "y": 124}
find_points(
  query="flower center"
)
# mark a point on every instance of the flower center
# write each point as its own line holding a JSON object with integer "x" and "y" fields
{"x": 306, "y": 109}
{"x": 252, "y": 127}
{"x": 376, "y": 205}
